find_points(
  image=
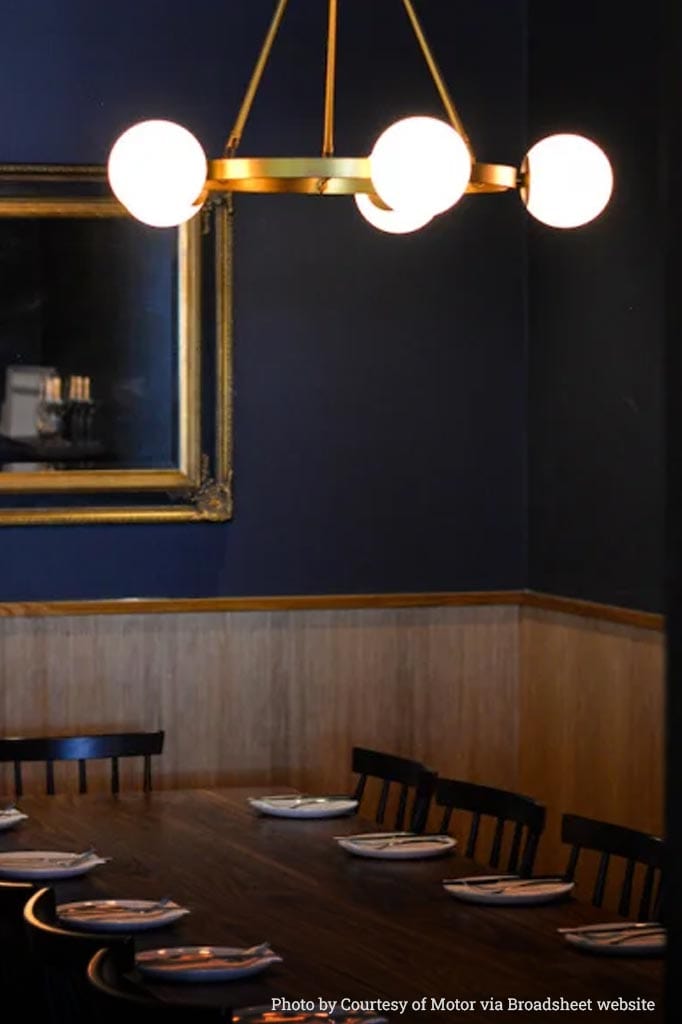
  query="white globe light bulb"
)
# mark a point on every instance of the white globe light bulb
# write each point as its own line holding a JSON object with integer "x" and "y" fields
{"x": 157, "y": 169}
{"x": 420, "y": 164}
{"x": 570, "y": 180}
{"x": 396, "y": 222}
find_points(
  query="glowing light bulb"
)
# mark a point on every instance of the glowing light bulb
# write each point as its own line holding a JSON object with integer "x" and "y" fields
{"x": 570, "y": 180}
{"x": 420, "y": 164}
{"x": 396, "y": 222}
{"x": 157, "y": 169}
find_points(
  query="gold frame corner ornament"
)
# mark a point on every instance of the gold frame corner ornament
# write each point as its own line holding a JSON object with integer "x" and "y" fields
{"x": 197, "y": 495}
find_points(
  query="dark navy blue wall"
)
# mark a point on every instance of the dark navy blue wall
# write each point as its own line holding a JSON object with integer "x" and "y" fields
{"x": 380, "y": 382}
{"x": 596, "y": 319}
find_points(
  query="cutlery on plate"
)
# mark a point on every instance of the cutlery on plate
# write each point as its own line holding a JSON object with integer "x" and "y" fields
{"x": 378, "y": 844}
{"x": 615, "y": 940}
{"x": 209, "y": 956}
{"x": 475, "y": 880}
{"x": 513, "y": 884}
{"x": 65, "y": 862}
{"x": 615, "y": 926}
{"x": 95, "y": 909}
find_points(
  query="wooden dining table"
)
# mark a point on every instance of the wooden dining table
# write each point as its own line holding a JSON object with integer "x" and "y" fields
{"x": 346, "y": 927}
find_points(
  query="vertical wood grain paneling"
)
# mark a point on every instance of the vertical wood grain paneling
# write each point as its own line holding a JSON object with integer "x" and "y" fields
{"x": 591, "y": 722}
{"x": 276, "y": 696}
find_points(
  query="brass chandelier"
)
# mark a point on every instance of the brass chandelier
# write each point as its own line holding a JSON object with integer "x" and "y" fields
{"x": 419, "y": 166}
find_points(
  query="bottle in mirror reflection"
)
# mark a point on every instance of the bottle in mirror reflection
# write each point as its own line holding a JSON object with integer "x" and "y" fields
{"x": 79, "y": 417}
{"x": 50, "y": 409}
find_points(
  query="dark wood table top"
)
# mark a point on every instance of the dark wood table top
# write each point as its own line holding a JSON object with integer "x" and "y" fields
{"x": 346, "y": 927}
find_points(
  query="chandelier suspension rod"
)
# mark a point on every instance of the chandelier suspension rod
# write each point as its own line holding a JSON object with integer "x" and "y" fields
{"x": 245, "y": 109}
{"x": 446, "y": 98}
{"x": 330, "y": 79}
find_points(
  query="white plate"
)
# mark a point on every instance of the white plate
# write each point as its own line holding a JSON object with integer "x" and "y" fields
{"x": 507, "y": 892}
{"x": 28, "y": 864}
{"x": 595, "y": 939}
{"x": 8, "y": 819}
{"x": 119, "y": 915}
{"x": 298, "y": 806}
{"x": 405, "y": 847}
{"x": 203, "y": 963}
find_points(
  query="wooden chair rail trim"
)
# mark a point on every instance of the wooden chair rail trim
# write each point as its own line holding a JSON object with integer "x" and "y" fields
{"x": 302, "y": 602}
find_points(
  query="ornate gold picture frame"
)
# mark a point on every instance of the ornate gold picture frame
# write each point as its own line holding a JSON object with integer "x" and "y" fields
{"x": 196, "y": 487}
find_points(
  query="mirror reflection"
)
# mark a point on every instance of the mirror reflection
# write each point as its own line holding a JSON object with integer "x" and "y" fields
{"x": 88, "y": 378}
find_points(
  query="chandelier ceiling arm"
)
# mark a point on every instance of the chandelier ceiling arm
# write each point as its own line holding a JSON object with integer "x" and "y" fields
{"x": 256, "y": 75}
{"x": 330, "y": 80}
{"x": 446, "y": 98}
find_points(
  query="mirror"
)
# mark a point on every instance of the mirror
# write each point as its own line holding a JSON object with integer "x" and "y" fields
{"x": 115, "y": 355}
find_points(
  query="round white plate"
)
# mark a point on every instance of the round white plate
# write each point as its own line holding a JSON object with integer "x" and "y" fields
{"x": 200, "y": 963}
{"x": 601, "y": 942}
{"x": 303, "y": 807}
{"x": 8, "y": 819}
{"x": 119, "y": 915}
{"x": 385, "y": 847}
{"x": 508, "y": 893}
{"x": 28, "y": 864}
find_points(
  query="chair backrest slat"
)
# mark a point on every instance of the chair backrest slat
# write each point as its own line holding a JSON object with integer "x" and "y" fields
{"x": 402, "y": 808}
{"x": 473, "y": 835}
{"x": 647, "y": 893}
{"x": 527, "y": 815}
{"x": 626, "y": 890}
{"x": 50, "y": 749}
{"x": 360, "y": 788}
{"x": 600, "y": 883}
{"x": 496, "y": 848}
{"x": 445, "y": 820}
{"x": 515, "y": 851}
{"x": 383, "y": 799}
{"x": 572, "y": 863}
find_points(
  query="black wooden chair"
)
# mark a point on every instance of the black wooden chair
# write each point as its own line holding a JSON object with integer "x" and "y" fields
{"x": 636, "y": 848}
{"x": 117, "y": 996}
{"x": 62, "y": 957}
{"x": 409, "y": 775}
{"x": 16, "y": 962}
{"x": 19, "y": 750}
{"x": 526, "y": 814}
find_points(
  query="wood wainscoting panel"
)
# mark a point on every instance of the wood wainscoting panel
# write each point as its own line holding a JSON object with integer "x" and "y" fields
{"x": 263, "y": 697}
{"x": 592, "y": 723}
